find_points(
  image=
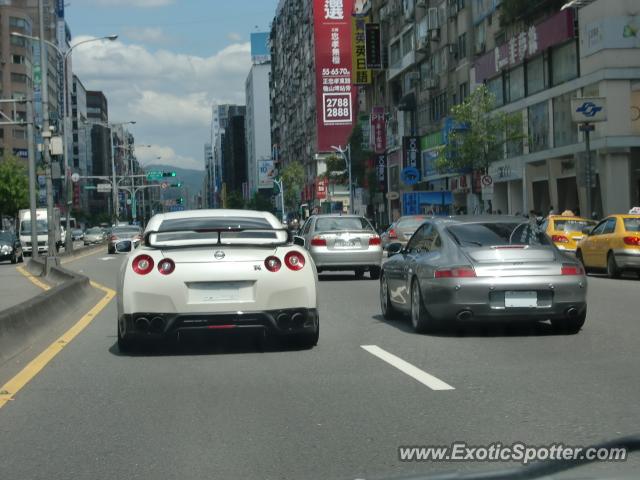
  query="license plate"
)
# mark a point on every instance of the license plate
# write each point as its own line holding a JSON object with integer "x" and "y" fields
{"x": 346, "y": 243}
{"x": 520, "y": 299}
{"x": 220, "y": 292}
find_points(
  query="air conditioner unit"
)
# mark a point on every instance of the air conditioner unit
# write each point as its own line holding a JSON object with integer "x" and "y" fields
{"x": 434, "y": 34}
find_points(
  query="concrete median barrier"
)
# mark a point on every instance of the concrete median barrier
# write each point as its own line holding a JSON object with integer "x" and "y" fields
{"x": 22, "y": 325}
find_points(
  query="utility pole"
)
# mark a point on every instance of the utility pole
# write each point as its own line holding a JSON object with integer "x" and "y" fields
{"x": 587, "y": 128}
{"x": 32, "y": 178}
{"x": 346, "y": 156}
{"x": 46, "y": 135}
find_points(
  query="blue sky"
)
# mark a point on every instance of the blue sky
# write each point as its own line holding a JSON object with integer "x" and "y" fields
{"x": 173, "y": 59}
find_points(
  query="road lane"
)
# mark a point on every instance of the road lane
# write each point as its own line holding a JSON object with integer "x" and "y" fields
{"x": 222, "y": 409}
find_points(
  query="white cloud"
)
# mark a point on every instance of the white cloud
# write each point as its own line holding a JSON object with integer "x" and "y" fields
{"x": 129, "y": 3}
{"x": 149, "y": 35}
{"x": 164, "y": 155}
{"x": 234, "y": 37}
{"x": 168, "y": 94}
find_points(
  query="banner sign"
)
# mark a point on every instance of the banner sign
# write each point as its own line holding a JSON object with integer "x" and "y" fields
{"x": 361, "y": 76}
{"x": 334, "y": 91}
{"x": 373, "y": 56}
{"x": 381, "y": 171}
{"x": 378, "y": 129}
{"x": 322, "y": 184}
{"x": 266, "y": 172}
{"x": 411, "y": 150}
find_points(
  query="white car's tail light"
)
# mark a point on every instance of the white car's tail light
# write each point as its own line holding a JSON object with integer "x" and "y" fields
{"x": 571, "y": 269}
{"x": 273, "y": 264}
{"x": 294, "y": 260}
{"x": 375, "y": 240}
{"x": 455, "y": 272}
{"x": 166, "y": 266}
{"x": 318, "y": 242}
{"x": 142, "y": 264}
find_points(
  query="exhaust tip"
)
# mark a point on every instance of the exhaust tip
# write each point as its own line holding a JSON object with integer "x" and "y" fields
{"x": 464, "y": 315}
{"x": 572, "y": 312}
{"x": 297, "y": 318}
{"x": 142, "y": 324}
{"x": 283, "y": 319}
{"x": 157, "y": 324}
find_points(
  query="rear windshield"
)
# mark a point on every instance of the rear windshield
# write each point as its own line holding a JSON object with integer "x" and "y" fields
{"x": 631, "y": 224}
{"x": 94, "y": 230}
{"x": 410, "y": 222}
{"x": 333, "y": 224}
{"x": 495, "y": 234}
{"x": 126, "y": 230}
{"x": 569, "y": 226}
{"x": 184, "y": 231}
{"x": 6, "y": 237}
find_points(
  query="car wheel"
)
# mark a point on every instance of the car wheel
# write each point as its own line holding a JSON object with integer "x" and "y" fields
{"x": 374, "y": 273}
{"x": 420, "y": 319}
{"x": 359, "y": 273}
{"x": 21, "y": 259}
{"x": 387, "y": 308}
{"x": 612, "y": 267}
{"x": 125, "y": 343}
{"x": 581, "y": 260}
{"x": 570, "y": 325}
{"x": 14, "y": 260}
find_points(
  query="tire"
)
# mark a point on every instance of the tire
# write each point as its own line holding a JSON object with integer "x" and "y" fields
{"x": 21, "y": 259}
{"x": 421, "y": 321}
{"x": 388, "y": 310}
{"x": 374, "y": 273}
{"x": 14, "y": 260}
{"x": 126, "y": 344}
{"x": 570, "y": 325}
{"x": 359, "y": 273}
{"x": 612, "y": 267}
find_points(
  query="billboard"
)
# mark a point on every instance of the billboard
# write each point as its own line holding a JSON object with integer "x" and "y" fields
{"x": 373, "y": 52}
{"x": 266, "y": 173}
{"x": 260, "y": 51}
{"x": 411, "y": 150}
{"x": 361, "y": 76}
{"x": 378, "y": 129}
{"x": 335, "y": 95}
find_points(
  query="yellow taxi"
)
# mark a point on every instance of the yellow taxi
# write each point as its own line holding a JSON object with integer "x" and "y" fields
{"x": 613, "y": 245}
{"x": 566, "y": 230}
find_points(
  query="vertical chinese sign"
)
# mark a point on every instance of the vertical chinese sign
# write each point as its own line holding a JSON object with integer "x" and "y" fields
{"x": 361, "y": 76}
{"x": 378, "y": 129}
{"x": 335, "y": 95}
{"x": 373, "y": 57}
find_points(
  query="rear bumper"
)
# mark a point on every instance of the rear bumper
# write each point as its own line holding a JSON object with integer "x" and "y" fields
{"x": 324, "y": 258}
{"x": 628, "y": 258}
{"x": 290, "y": 321}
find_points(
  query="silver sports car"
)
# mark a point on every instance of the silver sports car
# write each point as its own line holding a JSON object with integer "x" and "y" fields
{"x": 482, "y": 268}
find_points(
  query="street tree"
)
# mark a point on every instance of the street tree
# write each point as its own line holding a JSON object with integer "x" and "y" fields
{"x": 293, "y": 180}
{"x": 260, "y": 202}
{"x": 479, "y": 134}
{"x": 235, "y": 200}
{"x": 14, "y": 186}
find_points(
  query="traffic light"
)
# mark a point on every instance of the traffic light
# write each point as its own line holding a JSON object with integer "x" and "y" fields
{"x": 176, "y": 185}
{"x": 180, "y": 201}
{"x": 168, "y": 174}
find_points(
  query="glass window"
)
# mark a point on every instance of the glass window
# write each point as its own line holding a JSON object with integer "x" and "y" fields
{"x": 631, "y": 224}
{"x": 407, "y": 42}
{"x": 334, "y": 224}
{"x": 495, "y": 87}
{"x": 17, "y": 59}
{"x": 19, "y": 133}
{"x": 17, "y": 22}
{"x": 463, "y": 91}
{"x": 564, "y": 63}
{"x": 394, "y": 52}
{"x": 537, "y": 78}
{"x": 516, "y": 83}
{"x": 462, "y": 45}
{"x": 572, "y": 225}
{"x": 538, "y": 127}
{"x": 565, "y": 131}
{"x": 497, "y": 233}
{"x": 18, "y": 77}
{"x": 599, "y": 228}
{"x": 410, "y": 222}
{"x": 421, "y": 240}
{"x": 18, "y": 41}
{"x": 609, "y": 226}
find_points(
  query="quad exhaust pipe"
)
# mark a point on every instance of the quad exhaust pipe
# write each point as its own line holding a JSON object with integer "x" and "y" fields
{"x": 142, "y": 324}
{"x": 464, "y": 315}
{"x": 572, "y": 312}
{"x": 297, "y": 319}
{"x": 157, "y": 325}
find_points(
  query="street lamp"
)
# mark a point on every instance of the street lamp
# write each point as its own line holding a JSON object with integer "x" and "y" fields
{"x": 346, "y": 156}
{"x": 65, "y": 55}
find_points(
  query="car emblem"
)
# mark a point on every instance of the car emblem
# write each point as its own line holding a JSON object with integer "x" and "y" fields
{"x": 219, "y": 255}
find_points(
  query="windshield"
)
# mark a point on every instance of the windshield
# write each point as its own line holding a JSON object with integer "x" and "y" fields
{"x": 6, "y": 237}
{"x": 41, "y": 227}
{"x": 412, "y": 222}
{"x": 570, "y": 226}
{"x": 329, "y": 224}
{"x": 631, "y": 224}
{"x": 495, "y": 234}
{"x": 95, "y": 231}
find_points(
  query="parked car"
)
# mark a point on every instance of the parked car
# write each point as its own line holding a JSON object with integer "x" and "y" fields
{"x": 214, "y": 270}
{"x": 124, "y": 239}
{"x": 94, "y": 235}
{"x": 472, "y": 268}
{"x": 566, "y": 231}
{"x": 10, "y": 247}
{"x": 401, "y": 230}
{"x": 342, "y": 242}
{"x": 77, "y": 234}
{"x": 613, "y": 245}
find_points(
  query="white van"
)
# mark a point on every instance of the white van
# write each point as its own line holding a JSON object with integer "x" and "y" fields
{"x": 24, "y": 217}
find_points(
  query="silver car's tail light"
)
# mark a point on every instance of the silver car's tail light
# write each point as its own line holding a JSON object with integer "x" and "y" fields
{"x": 166, "y": 266}
{"x": 142, "y": 264}
{"x": 455, "y": 272}
{"x": 571, "y": 269}
{"x": 294, "y": 260}
{"x": 375, "y": 240}
{"x": 318, "y": 242}
{"x": 273, "y": 264}
{"x": 393, "y": 234}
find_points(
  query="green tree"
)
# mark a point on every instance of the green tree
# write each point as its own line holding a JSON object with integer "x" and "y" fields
{"x": 14, "y": 186}
{"x": 260, "y": 202}
{"x": 293, "y": 180}
{"x": 480, "y": 134}
{"x": 235, "y": 200}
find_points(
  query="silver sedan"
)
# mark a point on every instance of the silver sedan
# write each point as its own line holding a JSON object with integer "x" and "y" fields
{"x": 476, "y": 268}
{"x": 342, "y": 242}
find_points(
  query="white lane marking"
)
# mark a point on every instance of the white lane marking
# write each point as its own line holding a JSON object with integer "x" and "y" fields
{"x": 423, "y": 377}
{"x": 104, "y": 259}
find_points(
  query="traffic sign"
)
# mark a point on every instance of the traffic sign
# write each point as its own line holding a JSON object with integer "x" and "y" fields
{"x": 89, "y": 187}
{"x": 75, "y": 177}
{"x": 486, "y": 180}
{"x": 154, "y": 175}
{"x": 164, "y": 185}
{"x": 589, "y": 109}
{"x": 104, "y": 187}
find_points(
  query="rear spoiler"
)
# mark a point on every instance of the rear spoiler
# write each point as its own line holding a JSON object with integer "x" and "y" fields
{"x": 147, "y": 237}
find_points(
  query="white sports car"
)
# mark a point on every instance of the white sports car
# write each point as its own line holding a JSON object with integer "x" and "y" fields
{"x": 204, "y": 270}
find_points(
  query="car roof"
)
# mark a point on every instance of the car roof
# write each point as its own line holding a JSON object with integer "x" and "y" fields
{"x": 568, "y": 217}
{"x": 623, "y": 215}
{"x": 337, "y": 215}
{"x": 157, "y": 219}
{"x": 479, "y": 219}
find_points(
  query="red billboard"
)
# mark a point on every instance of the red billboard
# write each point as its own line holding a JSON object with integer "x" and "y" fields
{"x": 335, "y": 95}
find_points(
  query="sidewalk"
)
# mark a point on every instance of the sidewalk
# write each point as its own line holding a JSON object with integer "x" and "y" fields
{"x": 15, "y": 287}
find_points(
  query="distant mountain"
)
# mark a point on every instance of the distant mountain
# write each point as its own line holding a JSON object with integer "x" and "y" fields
{"x": 192, "y": 179}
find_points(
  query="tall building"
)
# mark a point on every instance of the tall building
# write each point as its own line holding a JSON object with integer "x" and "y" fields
{"x": 207, "y": 181}
{"x": 234, "y": 161}
{"x": 220, "y": 115}
{"x": 98, "y": 118}
{"x": 81, "y": 142}
{"x": 258, "y": 120}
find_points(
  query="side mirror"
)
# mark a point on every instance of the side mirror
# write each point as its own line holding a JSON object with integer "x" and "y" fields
{"x": 298, "y": 241}
{"x": 394, "y": 249}
{"x": 587, "y": 230}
